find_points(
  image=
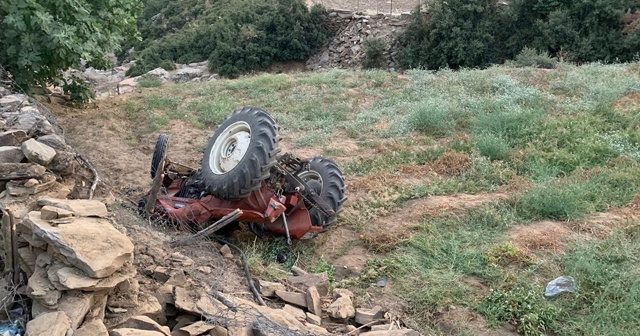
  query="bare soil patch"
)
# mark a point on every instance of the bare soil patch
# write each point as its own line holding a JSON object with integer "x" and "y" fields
{"x": 544, "y": 235}
{"x": 457, "y": 320}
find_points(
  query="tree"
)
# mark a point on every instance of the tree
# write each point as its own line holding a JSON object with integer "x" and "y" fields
{"x": 456, "y": 33}
{"x": 41, "y": 38}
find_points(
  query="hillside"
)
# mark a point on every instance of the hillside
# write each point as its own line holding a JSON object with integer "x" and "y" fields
{"x": 468, "y": 191}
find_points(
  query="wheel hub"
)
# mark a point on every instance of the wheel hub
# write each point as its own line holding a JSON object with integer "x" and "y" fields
{"x": 230, "y": 148}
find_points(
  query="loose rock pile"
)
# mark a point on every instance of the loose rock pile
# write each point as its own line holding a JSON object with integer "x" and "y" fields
{"x": 346, "y": 49}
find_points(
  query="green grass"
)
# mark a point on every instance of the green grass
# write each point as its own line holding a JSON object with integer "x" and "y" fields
{"x": 562, "y": 134}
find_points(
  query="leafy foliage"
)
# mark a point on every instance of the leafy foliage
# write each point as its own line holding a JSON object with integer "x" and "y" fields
{"x": 40, "y": 38}
{"x": 531, "y": 58}
{"x": 522, "y": 305}
{"x": 373, "y": 53}
{"x": 457, "y": 33}
{"x": 78, "y": 90}
{"x": 476, "y": 33}
{"x": 235, "y": 36}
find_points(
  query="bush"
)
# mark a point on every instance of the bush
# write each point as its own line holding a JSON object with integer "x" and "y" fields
{"x": 532, "y": 58}
{"x": 475, "y": 33}
{"x": 521, "y": 305}
{"x": 457, "y": 33}
{"x": 433, "y": 118}
{"x": 492, "y": 146}
{"x": 374, "y": 53}
{"x": 78, "y": 90}
{"x": 234, "y": 36}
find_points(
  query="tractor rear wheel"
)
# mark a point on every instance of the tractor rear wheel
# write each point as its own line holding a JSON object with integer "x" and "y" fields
{"x": 158, "y": 153}
{"x": 326, "y": 179}
{"x": 240, "y": 154}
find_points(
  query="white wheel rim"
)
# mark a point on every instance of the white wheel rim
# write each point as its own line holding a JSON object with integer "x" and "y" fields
{"x": 311, "y": 175}
{"x": 230, "y": 147}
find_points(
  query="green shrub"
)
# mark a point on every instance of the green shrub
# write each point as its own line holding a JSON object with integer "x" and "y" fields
{"x": 475, "y": 33}
{"x": 522, "y": 305}
{"x": 433, "y": 118}
{"x": 456, "y": 34}
{"x": 148, "y": 81}
{"x": 492, "y": 146}
{"x": 78, "y": 90}
{"x": 167, "y": 65}
{"x": 532, "y": 58}
{"x": 374, "y": 53}
{"x": 234, "y": 36}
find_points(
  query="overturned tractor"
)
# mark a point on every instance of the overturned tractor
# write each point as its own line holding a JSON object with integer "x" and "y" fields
{"x": 244, "y": 179}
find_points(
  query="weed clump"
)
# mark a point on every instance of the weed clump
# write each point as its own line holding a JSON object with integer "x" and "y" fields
{"x": 492, "y": 146}
{"x": 433, "y": 118}
{"x": 522, "y": 305}
{"x": 529, "y": 57}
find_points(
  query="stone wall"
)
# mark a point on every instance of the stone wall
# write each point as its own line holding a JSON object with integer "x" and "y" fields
{"x": 346, "y": 51}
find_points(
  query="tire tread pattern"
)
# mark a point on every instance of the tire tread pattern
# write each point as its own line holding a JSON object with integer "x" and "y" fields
{"x": 256, "y": 163}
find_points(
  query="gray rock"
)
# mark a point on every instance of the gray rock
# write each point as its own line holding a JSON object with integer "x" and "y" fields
{"x": 11, "y": 154}
{"x": 97, "y": 258}
{"x": 51, "y": 324}
{"x": 13, "y": 102}
{"x": 187, "y": 74}
{"x": 159, "y": 72}
{"x": 38, "y": 152}
{"x": 81, "y": 208}
{"x": 30, "y": 120}
{"x": 20, "y": 171}
{"x": 64, "y": 163}
{"x": 13, "y": 138}
{"x": 54, "y": 141}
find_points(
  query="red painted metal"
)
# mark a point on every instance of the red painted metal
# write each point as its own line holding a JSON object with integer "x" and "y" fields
{"x": 262, "y": 206}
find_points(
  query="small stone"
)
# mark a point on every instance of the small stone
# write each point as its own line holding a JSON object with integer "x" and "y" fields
{"x": 81, "y": 208}
{"x": 38, "y": 152}
{"x": 296, "y": 312}
{"x": 366, "y": 316}
{"x": 339, "y": 292}
{"x": 145, "y": 323}
{"x": 306, "y": 280}
{"x": 134, "y": 332}
{"x": 226, "y": 252}
{"x": 13, "y": 138}
{"x": 342, "y": 308}
{"x": 31, "y": 183}
{"x": 197, "y": 328}
{"x": 50, "y": 324}
{"x": 92, "y": 328}
{"x": 298, "y": 271}
{"x": 205, "y": 269}
{"x": 269, "y": 289}
{"x": 11, "y": 154}
{"x": 314, "y": 319}
{"x": 49, "y": 212}
{"x": 54, "y": 141}
{"x": 218, "y": 331}
{"x": 298, "y": 299}
{"x": 314, "y": 305}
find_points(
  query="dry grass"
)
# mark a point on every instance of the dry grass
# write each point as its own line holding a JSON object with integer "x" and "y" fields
{"x": 451, "y": 163}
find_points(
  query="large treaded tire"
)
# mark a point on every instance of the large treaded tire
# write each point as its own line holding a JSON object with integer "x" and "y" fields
{"x": 332, "y": 190}
{"x": 253, "y": 168}
{"x": 158, "y": 153}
